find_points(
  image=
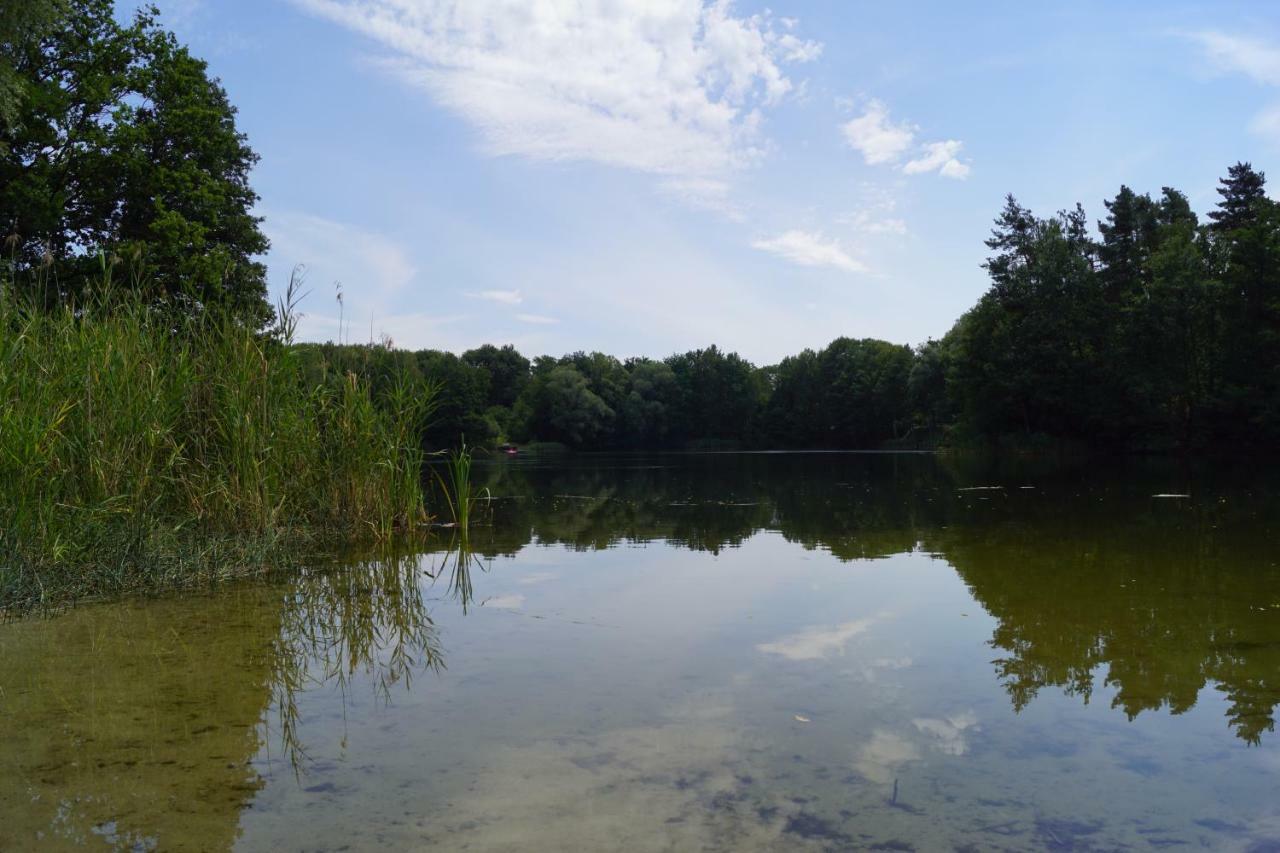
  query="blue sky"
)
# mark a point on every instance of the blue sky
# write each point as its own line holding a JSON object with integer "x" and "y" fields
{"x": 649, "y": 176}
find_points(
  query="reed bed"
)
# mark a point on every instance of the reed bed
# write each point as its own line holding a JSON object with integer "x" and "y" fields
{"x": 142, "y": 448}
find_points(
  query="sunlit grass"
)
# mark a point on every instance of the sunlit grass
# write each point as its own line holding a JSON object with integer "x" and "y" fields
{"x": 142, "y": 446}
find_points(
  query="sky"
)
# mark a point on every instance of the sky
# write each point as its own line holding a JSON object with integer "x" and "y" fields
{"x": 643, "y": 177}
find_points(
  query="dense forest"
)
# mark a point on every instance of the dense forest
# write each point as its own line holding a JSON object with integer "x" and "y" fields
{"x": 1158, "y": 332}
{"x": 121, "y": 167}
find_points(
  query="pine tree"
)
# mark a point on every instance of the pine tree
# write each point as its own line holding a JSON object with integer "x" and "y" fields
{"x": 1240, "y": 191}
{"x": 1127, "y": 239}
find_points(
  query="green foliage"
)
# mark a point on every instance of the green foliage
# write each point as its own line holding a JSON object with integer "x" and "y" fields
{"x": 140, "y": 447}
{"x": 719, "y": 397}
{"x": 853, "y": 393}
{"x": 506, "y": 369}
{"x": 646, "y": 412}
{"x": 460, "y": 495}
{"x": 564, "y": 407}
{"x": 118, "y": 143}
{"x": 1158, "y": 333}
{"x": 23, "y": 23}
{"x": 1164, "y": 333}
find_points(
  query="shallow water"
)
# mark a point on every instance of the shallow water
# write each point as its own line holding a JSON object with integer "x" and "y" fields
{"x": 720, "y": 652}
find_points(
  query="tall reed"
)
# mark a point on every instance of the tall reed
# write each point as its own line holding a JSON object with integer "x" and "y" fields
{"x": 143, "y": 446}
{"x": 460, "y": 496}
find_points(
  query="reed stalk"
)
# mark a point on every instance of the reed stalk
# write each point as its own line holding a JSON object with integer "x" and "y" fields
{"x": 146, "y": 445}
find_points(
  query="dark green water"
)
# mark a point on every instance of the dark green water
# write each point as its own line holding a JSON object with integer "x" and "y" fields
{"x": 724, "y": 652}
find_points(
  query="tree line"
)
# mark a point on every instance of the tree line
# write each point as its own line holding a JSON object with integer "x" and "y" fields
{"x": 121, "y": 163}
{"x": 853, "y": 393}
{"x": 1161, "y": 332}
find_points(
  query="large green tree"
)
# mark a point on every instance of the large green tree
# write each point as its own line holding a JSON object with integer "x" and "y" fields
{"x": 120, "y": 148}
{"x": 23, "y": 23}
{"x": 565, "y": 409}
{"x": 507, "y": 369}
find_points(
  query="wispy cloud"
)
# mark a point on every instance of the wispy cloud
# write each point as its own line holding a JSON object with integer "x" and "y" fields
{"x": 1246, "y": 55}
{"x": 868, "y": 222}
{"x": 882, "y": 141}
{"x": 810, "y": 249}
{"x": 819, "y": 642}
{"x": 1254, "y": 58}
{"x": 505, "y": 297}
{"x": 537, "y": 319}
{"x": 369, "y": 264}
{"x": 675, "y": 89}
{"x": 705, "y": 194}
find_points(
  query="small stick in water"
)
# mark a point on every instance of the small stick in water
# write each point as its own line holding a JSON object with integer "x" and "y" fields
{"x": 894, "y": 800}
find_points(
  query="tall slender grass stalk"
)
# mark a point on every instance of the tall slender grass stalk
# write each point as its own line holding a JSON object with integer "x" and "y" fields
{"x": 460, "y": 495}
{"x": 145, "y": 446}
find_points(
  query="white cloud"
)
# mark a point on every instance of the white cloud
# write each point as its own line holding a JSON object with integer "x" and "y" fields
{"x": 948, "y": 734}
{"x": 1241, "y": 54}
{"x": 877, "y": 138}
{"x": 668, "y": 87}
{"x": 537, "y": 319}
{"x": 882, "y": 756}
{"x": 505, "y": 297}
{"x": 868, "y": 222}
{"x": 810, "y": 250}
{"x": 1253, "y": 58}
{"x": 939, "y": 157}
{"x": 705, "y": 194}
{"x": 817, "y": 643}
{"x": 798, "y": 50}
{"x": 883, "y": 142}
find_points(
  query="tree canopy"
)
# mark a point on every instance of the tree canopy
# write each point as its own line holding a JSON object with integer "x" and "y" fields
{"x": 117, "y": 148}
{"x": 121, "y": 165}
{"x": 1152, "y": 331}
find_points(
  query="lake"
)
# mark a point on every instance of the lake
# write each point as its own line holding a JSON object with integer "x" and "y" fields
{"x": 695, "y": 652}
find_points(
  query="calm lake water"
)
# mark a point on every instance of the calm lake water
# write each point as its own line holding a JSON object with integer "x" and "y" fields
{"x": 695, "y": 652}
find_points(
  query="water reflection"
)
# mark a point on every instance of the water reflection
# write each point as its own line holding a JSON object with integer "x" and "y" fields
{"x": 370, "y": 618}
{"x": 1087, "y": 573}
{"x": 1155, "y": 614}
{"x": 162, "y": 724}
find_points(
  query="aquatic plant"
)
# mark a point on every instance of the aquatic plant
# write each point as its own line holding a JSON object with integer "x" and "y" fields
{"x": 146, "y": 442}
{"x": 460, "y": 495}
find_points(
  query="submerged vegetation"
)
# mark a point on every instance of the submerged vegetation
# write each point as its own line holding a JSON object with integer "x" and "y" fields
{"x": 143, "y": 447}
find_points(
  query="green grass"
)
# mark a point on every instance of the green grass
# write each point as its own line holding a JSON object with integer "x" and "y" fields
{"x": 460, "y": 496}
{"x": 142, "y": 448}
